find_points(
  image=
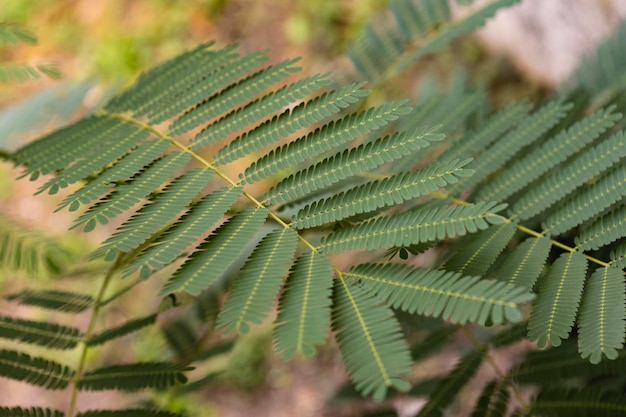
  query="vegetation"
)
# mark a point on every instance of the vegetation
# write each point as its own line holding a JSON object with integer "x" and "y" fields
{"x": 250, "y": 195}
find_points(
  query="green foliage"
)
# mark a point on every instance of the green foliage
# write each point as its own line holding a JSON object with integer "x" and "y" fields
{"x": 323, "y": 173}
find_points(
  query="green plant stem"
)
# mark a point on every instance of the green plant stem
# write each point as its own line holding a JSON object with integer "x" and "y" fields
{"x": 92, "y": 323}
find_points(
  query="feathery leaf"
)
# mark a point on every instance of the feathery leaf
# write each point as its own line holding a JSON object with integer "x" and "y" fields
{"x": 254, "y": 290}
{"x": 555, "y": 307}
{"x": 603, "y": 230}
{"x": 121, "y": 330}
{"x": 525, "y": 263}
{"x": 602, "y": 314}
{"x": 33, "y": 370}
{"x": 65, "y": 301}
{"x": 50, "y": 335}
{"x": 370, "y": 341}
{"x": 29, "y": 412}
{"x": 304, "y": 307}
{"x": 216, "y": 253}
{"x": 133, "y": 377}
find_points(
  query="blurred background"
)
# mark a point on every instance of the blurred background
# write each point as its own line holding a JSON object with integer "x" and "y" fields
{"x": 102, "y": 45}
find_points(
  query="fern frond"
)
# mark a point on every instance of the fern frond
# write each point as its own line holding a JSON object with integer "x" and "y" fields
{"x": 302, "y": 116}
{"x": 69, "y": 302}
{"x": 413, "y": 227}
{"x": 552, "y": 152}
{"x": 336, "y": 168}
{"x": 526, "y": 133}
{"x": 214, "y": 255}
{"x": 378, "y": 194}
{"x": 487, "y": 133}
{"x": 254, "y": 290}
{"x": 24, "y": 249}
{"x": 175, "y": 240}
{"x": 578, "y": 403}
{"x": 602, "y": 315}
{"x": 25, "y": 72}
{"x": 552, "y": 366}
{"x": 618, "y": 256}
{"x": 609, "y": 188}
{"x": 455, "y": 30}
{"x": 603, "y": 230}
{"x": 123, "y": 169}
{"x": 575, "y": 173}
{"x": 602, "y": 71}
{"x": 116, "y": 144}
{"x": 127, "y": 195}
{"x": 134, "y": 376}
{"x": 124, "y": 329}
{"x": 258, "y": 110}
{"x": 34, "y": 370}
{"x": 59, "y": 149}
{"x": 129, "y": 412}
{"x": 437, "y": 293}
{"x": 50, "y": 335}
{"x": 524, "y": 265}
{"x": 447, "y": 389}
{"x": 12, "y": 33}
{"x": 493, "y": 400}
{"x": 151, "y": 217}
{"x": 480, "y": 250}
{"x": 370, "y": 340}
{"x": 165, "y": 83}
{"x": 219, "y": 79}
{"x": 29, "y": 412}
{"x": 181, "y": 339}
{"x": 337, "y": 133}
{"x": 304, "y": 307}
{"x": 556, "y": 305}
{"x": 233, "y": 96}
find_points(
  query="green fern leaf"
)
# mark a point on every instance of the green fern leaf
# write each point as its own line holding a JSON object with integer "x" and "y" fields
{"x": 525, "y": 263}
{"x": 50, "y": 335}
{"x": 219, "y": 79}
{"x": 578, "y": 403}
{"x": 609, "y": 188}
{"x": 127, "y": 195}
{"x": 442, "y": 294}
{"x": 370, "y": 341}
{"x": 450, "y": 386}
{"x": 258, "y": 110}
{"x": 378, "y": 194}
{"x": 555, "y": 307}
{"x": 29, "y": 412}
{"x": 603, "y": 230}
{"x": 233, "y": 96}
{"x": 130, "y": 412}
{"x": 304, "y": 307}
{"x": 413, "y": 227}
{"x": 254, "y": 290}
{"x": 59, "y": 149}
{"x": 602, "y": 315}
{"x": 552, "y": 367}
{"x": 337, "y": 133}
{"x": 455, "y": 30}
{"x": 618, "y": 256}
{"x": 121, "y": 330}
{"x": 181, "y": 339}
{"x": 339, "y": 167}
{"x": 12, "y": 33}
{"x": 33, "y": 370}
{"x": 495, "y": 126}
{"x": 216, "y": 253}
{"x": 480, "y": 250}
{"x": 552, "y": 152}
{"x": 175, "y": 240}
{"x": 526, "y": 133}
{"x": 123, "y": 169}
{"x": 165, "y": 83}
{"x": 575, "y": 173}
{"x": 134, "y": 376}
{"x": 116, "y": 144}
{"x": 287, "y": 123}
{"x": 493, "y": 400}
{"x": 151, "y": 217}
{"x": 65, "y": 301}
